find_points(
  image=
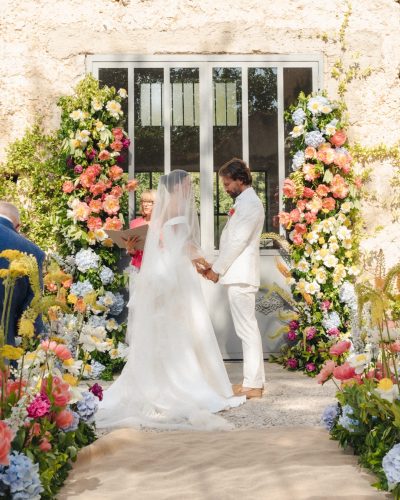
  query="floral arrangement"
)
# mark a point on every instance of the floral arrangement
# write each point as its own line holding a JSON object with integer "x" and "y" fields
{"x": 46, "y": 416}
{"x": 321, "y": 197}
{"x": 367, "y": 415}
{"x": 95, "y": 194}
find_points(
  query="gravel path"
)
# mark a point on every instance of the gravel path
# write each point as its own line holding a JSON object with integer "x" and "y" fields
{"x": 291, "y": 399}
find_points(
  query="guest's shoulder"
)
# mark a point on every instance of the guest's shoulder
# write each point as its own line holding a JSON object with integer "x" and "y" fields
{"x": 12, "y": 240}
{"x": 139, "y": 221}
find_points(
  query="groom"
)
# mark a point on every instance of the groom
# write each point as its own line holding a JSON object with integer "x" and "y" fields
{"x": 238, "y": 269}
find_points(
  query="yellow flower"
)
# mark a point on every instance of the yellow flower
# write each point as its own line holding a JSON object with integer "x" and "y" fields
{"x": 18, "y": 269}
{"x": 348, "y": 254}
{"x": 90, "y": 298}
{"x": 4, "y": 273}
{"x": 68, "y": 362}
{"x": 26, "y": 328}
{"x": 70, "y": 379}
{"x": 59, "y": 340}
{"x": 72, "y": 299}
{"x": 108, "y": 242}
{"x": 11, "y": 254}
{"x": 11, "y": 352}
{"x": 321, "y": 241}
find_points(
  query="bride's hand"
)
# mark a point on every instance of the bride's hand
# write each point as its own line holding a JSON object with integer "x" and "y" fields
{"x": 201, "y": 265}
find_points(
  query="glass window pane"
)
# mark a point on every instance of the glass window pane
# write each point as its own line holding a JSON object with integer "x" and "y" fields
{"x": 263, "y": 140}
{"x": 148, "y": 138}
{"x": 185, "y": 119}
{"x": 118, "y": 78}
{"x": 227, "y": 135}
{"x": 295, "y": 80}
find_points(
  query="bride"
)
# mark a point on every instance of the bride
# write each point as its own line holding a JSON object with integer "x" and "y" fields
{"x": 175, "y": 377}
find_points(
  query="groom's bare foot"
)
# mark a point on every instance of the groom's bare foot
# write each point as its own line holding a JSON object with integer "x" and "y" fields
{"x": 251, "y": 392}
{"x": 236, "y": 388}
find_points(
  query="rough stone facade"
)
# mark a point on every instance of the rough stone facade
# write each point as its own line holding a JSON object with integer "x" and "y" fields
{"x": 44, "y": 44}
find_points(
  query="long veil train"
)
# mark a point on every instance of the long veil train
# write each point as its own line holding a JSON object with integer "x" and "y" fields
{"x": 175, "y": 377}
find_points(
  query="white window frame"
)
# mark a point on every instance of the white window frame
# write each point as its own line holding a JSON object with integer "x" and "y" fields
{"x": 205, "y": 63}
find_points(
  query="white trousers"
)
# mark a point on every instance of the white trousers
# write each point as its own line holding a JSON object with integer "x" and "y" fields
{"x": 242, "y": 300}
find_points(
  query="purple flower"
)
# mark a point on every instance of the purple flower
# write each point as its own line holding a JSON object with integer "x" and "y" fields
{"x": 97, "y": 390}
{"x": 39, "y": 407}
{"x": 78, "y": 169}
{"x": 90, "y": 154}
{"x": 291, "y": 335}
{"x": 121, "y": 158}
{"x": 310, "y": 332}
{"x": 294, "y": 325}
{"x": 70, "y": 162}
{"x": 334, "y": 332}
{"x": 291, "y": 363}
{"x": 310, "y": 367}
{"x": 126, "y": 142}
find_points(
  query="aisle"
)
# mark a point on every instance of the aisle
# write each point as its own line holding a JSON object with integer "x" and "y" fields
{"x": 261, "y": 460}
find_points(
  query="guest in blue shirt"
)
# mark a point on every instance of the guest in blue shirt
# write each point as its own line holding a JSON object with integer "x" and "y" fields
{"x": 23, "y": 294}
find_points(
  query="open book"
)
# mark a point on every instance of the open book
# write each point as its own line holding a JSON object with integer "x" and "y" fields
{"x": 120, "y": 237}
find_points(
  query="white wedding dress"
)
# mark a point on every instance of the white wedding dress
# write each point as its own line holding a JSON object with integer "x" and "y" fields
{"x": 175, "y": 377}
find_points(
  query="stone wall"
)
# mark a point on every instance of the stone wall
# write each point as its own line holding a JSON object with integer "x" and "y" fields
{"x": 44, "y": 44}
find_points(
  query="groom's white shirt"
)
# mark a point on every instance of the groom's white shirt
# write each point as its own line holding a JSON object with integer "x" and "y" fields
{"x": 239, "y": 254}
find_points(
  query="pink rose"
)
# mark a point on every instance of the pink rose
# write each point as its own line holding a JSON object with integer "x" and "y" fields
{"x": 338, "y": 138}
{"x": 132, "y": 185}
{"x": 301, "y": 205}
{"x": 98, "y": 188}
{"x": 39, "y": 407}
{"x": 310, "y": 217}
{"x": 87, "y": 179}
{"x": 94, "y": 223}
{"x": 333, "y": 332}
{"x": 95, "y": 206}
{"x": 116, "y": 145}
{"x": 308, "y": 192}
{"x": 295, "y": 215}
{"x": 94, "y": 170}
{"x": 113, "y": 223}
{"x": 326, "y": 371}
{"x": 344, "y": 372}
{"x": 104, "y": 155}
{"x": 118, "y": 133}
{"x": 300, "y": 228}
{"x": 339, "y": 187}
{"x": 310, "y": 332}
{"x": 68, "y": 187}
{"x": 291, "y": 335}
{"x": 64, "y": 419}
{"x": 340, "y": 348}
{"x": 284, "y": 219}
{"x": 115, "y": 173}
{"x": 297, "y": 239}
{"x": 326, "y": 155}
{"x": 310, "y": 152}
{"x": 111, "y": 205}
{"x": 6, "y": 436}
{"x": 322, "y": 190}
{"x": 45, "y": 445}
{"x": 291, "y": 363}
{"x": 117, "y": 191}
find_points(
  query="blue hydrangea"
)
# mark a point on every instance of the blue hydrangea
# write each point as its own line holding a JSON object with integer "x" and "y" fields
{"x": 87, "y": 406}
{"x": 316, "y": 104}
{"x": 118, "y": 305}
{"x": 345, "y": 421}
{"x": 81, "y": 288}
{"x": 331, "y": 320}
{"x": 329, "y": 416}
{"x": 74, "y": 424}
{"x": 298, "y": 160}
{"x": 87, "y": 259}
{"x": 343, "y": 150}
{"x": 298, "y": 117}
{"x": 314, "y": 138}
{"x": 97, "y": 369}
{"x": 22, "y": 477}
{"x": 106, "y": 275}
{"x": 391, "y": 465}
{"x": 96, "y": 321}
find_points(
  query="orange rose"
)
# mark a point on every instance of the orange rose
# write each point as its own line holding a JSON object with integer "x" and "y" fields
{"x": 64, "y": 419}
{"x": 45, "y": 445}
{"x": 284, "y": 219}
{"x": 322, "y": 190}
{"x": 339, "y": 188}
{"x": 326, "y": 155}
{"x": 118, "y": 134}
{"x": 113, "y": 223}
{"x": 289, "y": 188}
{"x": 68, "y": 187}
{"x": 98, "y": 188}
{"x": 115, "y": 172}
{"x": 132, "y": 185}
{"x": 87, "y": 179}
{"x": 117, "y": 191}
{"x": 328, "y": 204}
{"x": 104, "y": 155}
{"x": 94, "y": 223}
{"x": 310, "y": 152}
{"x": 300, "y": 228}
{"x": 95, "y": 206}
{"x": 314, "y": 205}
{"x": 308, "y": 192}
{"x": 309, "y": 172}
{"x": 338, "y": 138}
{"x": 116, "y": 145}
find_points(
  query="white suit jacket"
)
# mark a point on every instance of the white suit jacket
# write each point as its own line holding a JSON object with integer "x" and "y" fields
{"x": 239, "y": 249}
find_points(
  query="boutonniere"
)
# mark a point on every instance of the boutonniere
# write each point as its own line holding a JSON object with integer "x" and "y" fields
{"x": 231, "y": 212}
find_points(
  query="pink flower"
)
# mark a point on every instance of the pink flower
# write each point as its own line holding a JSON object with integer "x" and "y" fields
{"x": 297, "y": 239}
{"x": 322, "y": 190}
{"x": 310, "y": 367}
{"x": 97, "y": 390}
{"x": 95, "y": 206}
{"x": 293, "y": 325}
{"x": 295, "y": 215}
{"x": 94, "y": 223}
{"x": 104, "y": 155}
{"x": 291, "y": 335}
{"x": 132, "y": 185}
{"x": 111, "y": 205}
{"x": 284, "y": 219}
{"x": 68, "y": 187}
{"x": 326, "y": 371}
{"x": 117, "y": 191}
{"x": 339, "y": 187}
{"x": 338, "y": 138}
{"x": 118, "y": 133}
{"x": 310, "y": 332}
{"x": 310, "y": 217}
{"x": 358, "y": 182}
{"x": 6, "y": 436}
{"x": 64, "y": 419}
{"x": 126, "y": 142}
{"x": 314, "y": 205}
{"x": 340, "y": 348}
{"x": 45, "y": 445}
{"x": 325, "y": 305}
{"x": 87, "y": 179}
{"x": 310, "y": 152}
{"x": 98, "y": 188}
{"x": 328, "y": 204}
{"x": 333, "y": 332}
{"x": 326, "y": 155}
{"x": 300, "y": 228}
{"x": 291, "y": 363}
{"x": 39, "y": 407}
{"x": 301, "y": 205}
{"x": 78, "y": 169}
{"x": 289, "y": 188}
{"x": 60, "y": 350}
{"x": 59, "y": 391}
{"x": 308, "y": 192}
{"x": 309, "y": 172}
{"x": 94, "y": 170}
{"x": 344, "y": 372}
{"x": 115, "y": 173}
{"x": 113, "y": 223}
{"x": 116, "y": 145}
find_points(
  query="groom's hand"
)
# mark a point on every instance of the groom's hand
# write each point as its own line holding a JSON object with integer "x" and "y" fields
{"x": 202, "y": 266}
{"x": 212, "y": 276}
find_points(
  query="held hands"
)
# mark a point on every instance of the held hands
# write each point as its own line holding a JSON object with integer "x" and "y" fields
{"x": 131, "y": 244}
{"x": 204, "y": 268}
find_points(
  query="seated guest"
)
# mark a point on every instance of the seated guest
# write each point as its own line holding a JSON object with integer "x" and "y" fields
{"x": 10, "y": 239}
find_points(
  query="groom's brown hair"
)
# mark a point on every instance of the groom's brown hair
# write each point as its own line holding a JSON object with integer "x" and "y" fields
{"x": 236, "y": 169}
